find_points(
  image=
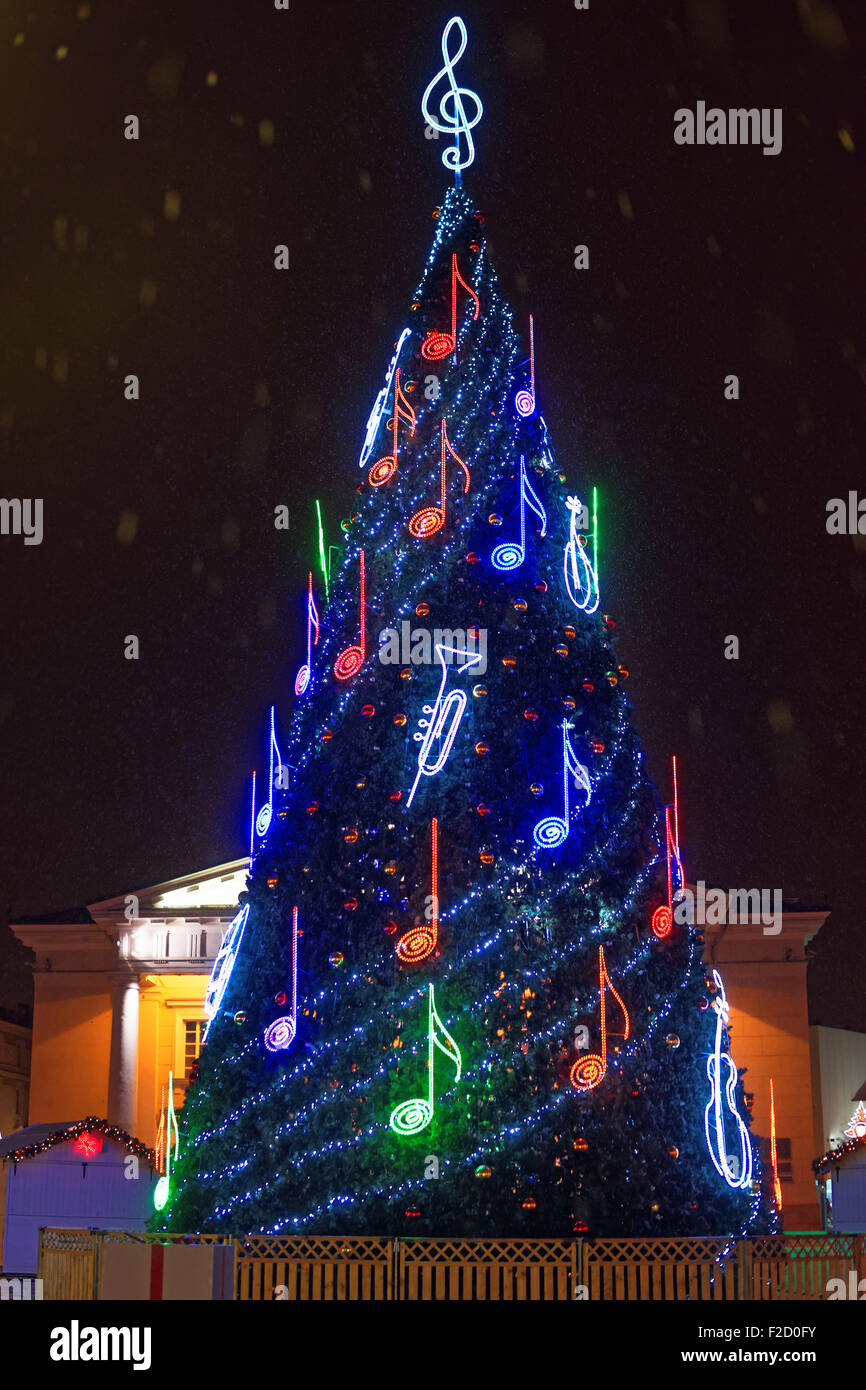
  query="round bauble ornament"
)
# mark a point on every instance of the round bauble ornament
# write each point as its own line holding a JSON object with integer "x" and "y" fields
{"x": 673, "y": 1040}
{"x": 336, "y": 958}
{"x": 240, "y": 1017}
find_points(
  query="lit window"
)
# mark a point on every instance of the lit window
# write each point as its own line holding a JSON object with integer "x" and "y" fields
{"x": 192, "y": 1031}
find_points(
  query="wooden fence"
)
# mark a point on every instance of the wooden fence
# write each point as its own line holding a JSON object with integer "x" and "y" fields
{"x": 417, "y": 1269}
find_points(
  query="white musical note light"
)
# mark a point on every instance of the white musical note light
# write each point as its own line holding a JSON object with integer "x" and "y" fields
{"x": 581, "y": 579}
{"x": 741, "y": 1176}
{"x": 452, "y": 118}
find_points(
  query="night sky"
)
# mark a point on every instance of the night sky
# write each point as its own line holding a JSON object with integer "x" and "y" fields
{"x": 155, "y": 257}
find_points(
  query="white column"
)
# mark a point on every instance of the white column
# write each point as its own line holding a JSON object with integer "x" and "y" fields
{"x": 123, "y": 1061}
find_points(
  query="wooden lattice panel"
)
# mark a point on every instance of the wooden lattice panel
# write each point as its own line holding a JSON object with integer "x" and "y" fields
{"x": 668, "y": 1269}
{"x": 303, "y": 1268}
{"x": 67, "y": 1264}
{"x": 800, "y": 1267}
{"x": 489, "y": 1270}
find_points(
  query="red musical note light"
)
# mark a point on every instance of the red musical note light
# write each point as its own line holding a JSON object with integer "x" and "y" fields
{"x": 589, "y": 1071}
{"x": 384, "y": 469}
{"x": 663, "y": 917}
{"x": 438, "y": 345}
{"x": 420, "y": 941}
{"x": 351, "y": 659}
{"x": 429, "y": 520}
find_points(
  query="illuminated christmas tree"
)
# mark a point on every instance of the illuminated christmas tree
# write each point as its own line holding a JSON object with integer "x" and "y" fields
{"x": 456, "y": 998}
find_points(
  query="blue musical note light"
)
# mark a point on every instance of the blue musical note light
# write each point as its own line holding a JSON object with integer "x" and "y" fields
{"x": 452, "y": 118}
{"x": 741, "y": 1174}
{"x": 263, "y": 819}
{"x": 509, "y": 556}
{"x": 552, "y": 831}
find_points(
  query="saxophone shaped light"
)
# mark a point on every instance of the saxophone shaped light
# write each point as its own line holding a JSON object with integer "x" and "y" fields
{"x": 443, "y": 712}
{"x": 381, "y": 401}
{"x": 280, "y": 1034}
{"x": 414, "y": 1115}
{"x": 714, "y": 1123}
{"x": 172, "y": 1145}
{"x": 581, "y": 580}
{"x": 223, "y": 966}
{"x": 420, "y": 941}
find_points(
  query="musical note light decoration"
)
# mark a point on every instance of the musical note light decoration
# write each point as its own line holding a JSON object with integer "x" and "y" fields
{"x": 509, "y": 556}
{"x": 452, "y": 708}
{"x": 774, "y": 1161}
{"x": 663, "y": 917}
{"x": 524, "y": 401}
{"x": 590, "y": 1070}
{"x": 172, "y": 1146}
{"x": 351, "y": 659}
{"x": 438, "y": 345}
{"x": 414, "y": 1115}
{"x": 429, "y": 520}
{"x": 280, "y": 1034}
{"x": 223, "y": 966}
{"x": 302, "y": 679}
{"x": 266, "y": 814}
{"x": 737, "y": 1174}
{"x": 375, "y": 418}
{"x": 384, "y": 469}
{"x": 553, "y": 831}
{"x": 324, "y": 564}
{"x": 452, "y": 118}
{"x": 421, "y": 941}
{"x": 581, "y": 577}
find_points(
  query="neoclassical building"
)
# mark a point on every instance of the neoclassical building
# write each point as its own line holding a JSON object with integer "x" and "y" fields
{"x": 118, "y": 998}
{"x": 120, "y": 985}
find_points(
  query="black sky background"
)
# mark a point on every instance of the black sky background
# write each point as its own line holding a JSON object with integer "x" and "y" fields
{"x": 256, "y": 387}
